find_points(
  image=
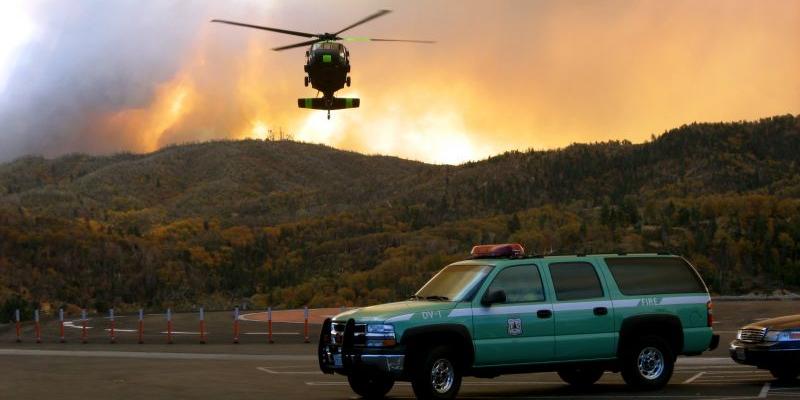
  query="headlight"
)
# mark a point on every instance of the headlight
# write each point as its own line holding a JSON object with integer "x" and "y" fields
{"x": 380, "y": 328}
{"x": 380, "y": 335}
{"x": 782, "y": 336}
{"x": 739, "y": 334}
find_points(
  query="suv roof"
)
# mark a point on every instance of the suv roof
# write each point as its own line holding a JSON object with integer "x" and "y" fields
{"x": 561, "y": 257}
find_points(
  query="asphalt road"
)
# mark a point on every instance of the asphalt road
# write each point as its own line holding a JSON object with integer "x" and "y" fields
{"x": 254, "y": 369}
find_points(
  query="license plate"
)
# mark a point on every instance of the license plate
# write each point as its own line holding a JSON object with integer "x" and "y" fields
{"x": 740, "y": 353}
{"x": 337, "y": 360}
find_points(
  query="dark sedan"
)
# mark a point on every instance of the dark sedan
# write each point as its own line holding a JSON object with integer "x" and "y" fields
{"x": 772, "y": 344}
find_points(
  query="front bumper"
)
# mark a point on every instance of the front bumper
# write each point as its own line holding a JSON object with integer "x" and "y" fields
{"x": 347, "y": 362}
{"x": 765, "y": 355}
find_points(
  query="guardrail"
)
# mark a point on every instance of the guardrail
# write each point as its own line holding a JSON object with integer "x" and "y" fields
{"x": 109, "y": 324}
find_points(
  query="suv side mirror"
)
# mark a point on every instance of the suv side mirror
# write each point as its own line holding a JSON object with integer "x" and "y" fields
{"x": 497, "y": 296}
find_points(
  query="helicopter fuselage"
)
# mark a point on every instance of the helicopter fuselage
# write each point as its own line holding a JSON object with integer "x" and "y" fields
{"x": 327, "y": 61}
{"x": 327, "y": 66}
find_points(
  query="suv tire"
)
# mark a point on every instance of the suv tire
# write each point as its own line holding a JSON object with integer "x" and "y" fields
{"x": 581, "y": 377}
{"x": 785, "y": 375}
{"x": 370, "y": 386}
{"x": 437, "y": 374}
{"x": 648, "y": 363}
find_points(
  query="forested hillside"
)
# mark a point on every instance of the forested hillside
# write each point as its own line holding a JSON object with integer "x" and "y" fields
{"x": 286, "y": 223}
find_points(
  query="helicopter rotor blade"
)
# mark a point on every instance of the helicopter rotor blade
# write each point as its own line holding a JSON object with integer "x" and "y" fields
{"x": 266, "y": 28}
{"x": 366, "y": 39}
{"x": 365, "y": 20}
{"x": 301, "y": 44}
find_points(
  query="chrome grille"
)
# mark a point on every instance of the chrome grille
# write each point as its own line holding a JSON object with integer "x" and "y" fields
{"x": 359, "y": 333}
{"x": 752, "y": 335}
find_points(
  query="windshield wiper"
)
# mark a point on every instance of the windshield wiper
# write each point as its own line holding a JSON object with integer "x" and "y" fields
{"x": 416, "y": 297}
{"x": 441, "y": 298}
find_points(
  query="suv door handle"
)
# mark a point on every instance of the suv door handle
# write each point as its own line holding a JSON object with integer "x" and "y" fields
{"x": 600, "y": 311}
{"x": 544, "y": 314}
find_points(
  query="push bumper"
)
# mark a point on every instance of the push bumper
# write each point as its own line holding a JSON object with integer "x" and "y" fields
{"x": 765, "y": 355}
{"x": 346, "y": 359}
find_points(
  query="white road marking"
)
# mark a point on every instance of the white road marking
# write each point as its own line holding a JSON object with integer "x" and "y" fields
{"x": 71, "y": 324}
{"x": 705, "y": 361}
{"x": 153, "y": 355}
{"x": 273, "y": 372}
{"x": 764, "y": 391}
{"x": 723, "y": 372}
{"x": 694, "y": 377}
{"x": 586, "y": 396}
{"x": 486, "y": 383}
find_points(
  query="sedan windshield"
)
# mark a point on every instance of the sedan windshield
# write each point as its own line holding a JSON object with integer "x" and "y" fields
{"x": 453, "y": 283}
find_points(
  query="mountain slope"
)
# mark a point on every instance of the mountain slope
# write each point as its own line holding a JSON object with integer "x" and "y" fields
{"x": 286, "y": 223}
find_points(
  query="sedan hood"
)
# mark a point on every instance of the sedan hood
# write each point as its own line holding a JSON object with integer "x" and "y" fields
{"x": 779, "y": 323}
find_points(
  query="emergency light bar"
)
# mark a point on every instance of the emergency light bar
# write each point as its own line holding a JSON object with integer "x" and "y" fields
{"x": 497, "y": 250}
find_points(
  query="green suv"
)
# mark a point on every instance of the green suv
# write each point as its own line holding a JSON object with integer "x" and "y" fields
{"x": 502, "y": 312}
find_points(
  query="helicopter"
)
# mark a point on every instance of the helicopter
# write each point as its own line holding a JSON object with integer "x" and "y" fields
{"x": 327, "y": 62}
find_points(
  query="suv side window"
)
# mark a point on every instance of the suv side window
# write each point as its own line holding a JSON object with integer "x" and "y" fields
{"x": 575, "y": 281}
{"x": 522, "y": 284}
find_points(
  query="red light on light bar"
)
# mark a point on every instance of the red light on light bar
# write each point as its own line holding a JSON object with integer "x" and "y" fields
{"x": 794, "y": 335}
{"x": 498, "y": 250}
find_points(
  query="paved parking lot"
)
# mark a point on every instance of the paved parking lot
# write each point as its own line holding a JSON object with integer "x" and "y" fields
{"x": 287, "y": 369}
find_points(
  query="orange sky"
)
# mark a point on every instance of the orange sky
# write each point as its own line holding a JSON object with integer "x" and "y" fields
{"x": 503, "y": 75}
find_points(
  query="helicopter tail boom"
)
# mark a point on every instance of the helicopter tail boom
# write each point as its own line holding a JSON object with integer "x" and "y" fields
{"x": 335, "y": 103}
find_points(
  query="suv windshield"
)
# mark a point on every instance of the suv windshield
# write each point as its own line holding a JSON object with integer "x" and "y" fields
{"x": 453, "y": 283}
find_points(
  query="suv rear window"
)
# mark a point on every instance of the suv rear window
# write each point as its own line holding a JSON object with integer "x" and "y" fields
{"x": 654, "y": 275}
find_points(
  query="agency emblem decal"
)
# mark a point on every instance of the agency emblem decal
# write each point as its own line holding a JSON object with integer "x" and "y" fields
{"x": 514, "y": 327}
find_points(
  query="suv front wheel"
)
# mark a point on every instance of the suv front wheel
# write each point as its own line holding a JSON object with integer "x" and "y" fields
{"x": 438, "y": 375}
{"x": 648, "y": 363}
{"x": 370, "y": 386}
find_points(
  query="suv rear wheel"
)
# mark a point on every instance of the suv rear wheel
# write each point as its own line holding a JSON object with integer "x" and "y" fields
{"x": 581, "y": 377}
{"x": 648, "y": 363}
{"x": 370, "y": 386}
{"x": 437, "y": 375}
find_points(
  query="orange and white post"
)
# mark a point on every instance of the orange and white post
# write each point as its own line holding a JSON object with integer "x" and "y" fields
{"x": 111, "y": 332}
{"x": 37, "y": 328}
{"x": 61, "y": 325}
{"x": 202, "y": 326}
{"x": 83, "y": 326}
{"x": 169, "y": 326}
{"x": 141, "y": 326}
{"x": 269, "y": 325}
{"x": 305, "y": 325}
{"x": 236, "y": 325}
{"x": 18, "y": 325}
